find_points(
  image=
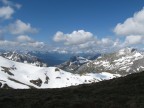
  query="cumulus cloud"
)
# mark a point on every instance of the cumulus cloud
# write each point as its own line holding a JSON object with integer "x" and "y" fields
{"x": 21, "y": 28}
{"x": 132, "y": 26}
{"x": 75, "y": 38}
{"x": 85, "y": 41}
{"x": 59, "y": 36}
{"x": 134, "y": 39}
{"x": 10, "y": 3}
{"x": 132, "y": 29}
{"x": 27, "y": 41}
{"x": 6, "y": 12}
{"x": 24, "y": 38}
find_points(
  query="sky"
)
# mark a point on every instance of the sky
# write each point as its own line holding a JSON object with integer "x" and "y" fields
{"x": 71, "y": 25}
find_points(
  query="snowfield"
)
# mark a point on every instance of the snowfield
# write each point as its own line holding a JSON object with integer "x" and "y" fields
{"x": 24, "y": 76}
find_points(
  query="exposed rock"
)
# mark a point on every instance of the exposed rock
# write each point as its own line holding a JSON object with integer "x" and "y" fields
{"x": 7, "y": 70}
{"x": 57, "y": 69}
{"x": 46, "y": 80}
{"x": 37, "y": 82}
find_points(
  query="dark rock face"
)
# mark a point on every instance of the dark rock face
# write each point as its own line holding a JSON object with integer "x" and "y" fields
{"x": 46, "y": 80}
{"x": 0, "y": 84}
{"x": 57, "y": 69}
{"x": 72, "y": 59}
{"x": 37, "y": 82}
{"x": 5, "y": 86}
{"x": 133, "y": 50}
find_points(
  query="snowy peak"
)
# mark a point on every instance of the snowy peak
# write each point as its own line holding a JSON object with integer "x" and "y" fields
{"x": 23, "y": 58}
{"x": 127, "y": 51}
{"x": 73, "y": 64}
{"x": 78, "y": 60}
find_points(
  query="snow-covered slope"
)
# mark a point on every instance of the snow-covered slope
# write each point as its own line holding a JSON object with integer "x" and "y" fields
{"x": 23, "y": 57}
{"x": 23, "y": 76}
{"x": 123, "y": 62}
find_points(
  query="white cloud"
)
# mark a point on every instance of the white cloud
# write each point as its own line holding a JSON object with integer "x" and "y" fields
{"x": 88, "y": 45}
{"x": 20, "y": 28}
{"x": 36, "y": 44}
{"x": 106, "y": 42}
{"x": 18, "y": 6}
{"x": 24, "y": 38}
{"x": 10, "y": 3}
{"x": 75, "y": 38}
{"x": 6, "y": 12}
{"x": 6, "y": 2}
{"x": 8, "y": 43}
{"x": 133, "y": 39}
{"x": 59, "y": 36}
{"x": 26, "y": 41}
{"x": 132, "y": 26}
{"x": 83, "y": 41}
{"x": 132, "y": 29}
{"x": 16, "y": 44}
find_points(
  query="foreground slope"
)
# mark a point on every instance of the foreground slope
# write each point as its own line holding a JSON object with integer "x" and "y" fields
{"x": 124, "y": 92}
{"x": 24, "y": 76}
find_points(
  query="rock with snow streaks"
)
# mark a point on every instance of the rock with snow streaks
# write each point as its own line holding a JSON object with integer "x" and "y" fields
{"x": 123, "y": 62}
{"x": 24, "y": 58}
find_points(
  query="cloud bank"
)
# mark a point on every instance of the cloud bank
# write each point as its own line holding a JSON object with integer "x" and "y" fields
{"x": 83, "y": 40}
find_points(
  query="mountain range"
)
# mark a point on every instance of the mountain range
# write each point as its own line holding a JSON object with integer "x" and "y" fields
{"x": 24, "y": 71}
{"x": 123, "y": 62}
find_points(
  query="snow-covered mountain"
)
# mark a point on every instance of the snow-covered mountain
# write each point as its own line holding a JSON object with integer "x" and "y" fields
{"x": 23, "y": 58}
{"x": 22, "y": 76}
{"x": 123, "y": 62}
{"x": 73, "y": 63}
{"x": 17, "y": 72}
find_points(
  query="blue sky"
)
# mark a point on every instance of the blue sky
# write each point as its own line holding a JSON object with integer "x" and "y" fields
{"x": 46, "y": 18}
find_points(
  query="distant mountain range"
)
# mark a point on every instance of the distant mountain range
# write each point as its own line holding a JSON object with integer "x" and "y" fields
{"x": 123, "y": 62}
{"x": 26, "y": 70}
{"x": 76, "y": 61}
